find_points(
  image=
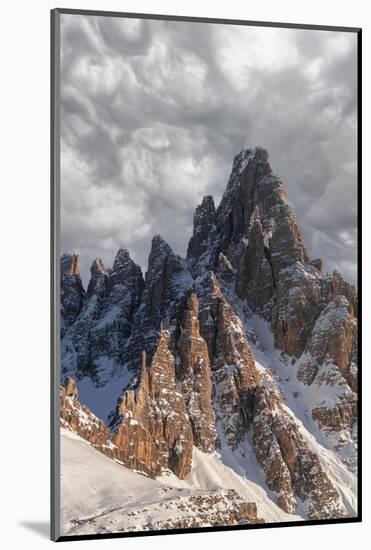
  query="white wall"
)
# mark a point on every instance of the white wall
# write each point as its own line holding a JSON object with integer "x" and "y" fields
{"x": 24, "y": 219}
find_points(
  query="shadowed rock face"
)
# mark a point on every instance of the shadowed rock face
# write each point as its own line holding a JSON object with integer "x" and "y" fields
{"x": 201, "y": 245}
{"x": 72, "y": 292}
{"x": 183, "y": 335}
{"x": 255, "y": 281}
{"x": 292, "y": 469}
{"x": 99, "y": 333}
{"x": 162, "y": 266}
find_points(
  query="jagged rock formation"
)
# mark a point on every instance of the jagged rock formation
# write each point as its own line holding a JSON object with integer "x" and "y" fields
{"x": 194, "y": 375}
{"x": 162, "y": 266}
{"x": 192, "y": 337}
{"x": 94, "y": 344}
{"x": 212, "y": 510}
{"x": 292, "y": 468}
{"x": 152, "y": 428}
{"x": 81, "y": 420}
{"x": 234, "y": 371}
{"x": 200, "y": 247}
{"x": 329, "y": 366}
{"x": 333, "y": 338}
{"x": 72, "y": 292}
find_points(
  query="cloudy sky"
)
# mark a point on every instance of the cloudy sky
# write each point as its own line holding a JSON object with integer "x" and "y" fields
{"x": 153, "y": 112}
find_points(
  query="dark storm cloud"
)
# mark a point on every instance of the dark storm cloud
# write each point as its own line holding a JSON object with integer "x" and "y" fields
{"x": 153, "y": 113}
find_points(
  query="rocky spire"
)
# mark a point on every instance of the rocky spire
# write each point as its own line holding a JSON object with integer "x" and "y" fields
{"x": 292, "y": 469}
{"x": 163, "y": 265}
{"x": 125, "y": 270}
{"x": 233, "y": 368}
{"x": 102, "y": 330}
{"x": 72, "y": 291}
{"x": 202, "y": 242}
{"x": 152, "y": 430}
{"x": 126, "y": 273}
{"x": 252, "y": 186}
{"x": 70, "y": 264}
{"x": 241, "y": 195}
{"x": 194, "y": 374}
{"x": 98, "y": 279}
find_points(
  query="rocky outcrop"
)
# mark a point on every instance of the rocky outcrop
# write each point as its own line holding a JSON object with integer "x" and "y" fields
{"x": 163, "y": 266}
{"x": 329, "y": 367}
{"x": 253, "y": 186}
{"x": 211, "y": 510}
{"x": 166, "y": 283}
{"x": 258, "y": 233}
{"x": 336, "y": 286}
{"x": 94, "y": 345}
{"x": 334, "y": 337}
{"x": 292, "y": 469}
{"x": 255, "y": 280}
{"x": 72, "y": 293}
{"x": 152, "y": 429}
{"x": 126, "y": 273}
{"x": 337, "y": 416}
{"x": 302, "y": 292}
{"x": 318, "y": 264}
{"x": 233, "y": 366}
{"x": 194, "y": 376}
{"x": 298, "y": 303}
{"x": 246, "y": 401}
{"x": 81, "y": 420}
{"x": 98, "y": 283}
{"x": 201, "y": 248}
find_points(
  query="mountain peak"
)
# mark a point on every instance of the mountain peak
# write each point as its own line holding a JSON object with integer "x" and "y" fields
{"x": 123, "y": 250}
{"x": 208, "y": 201}
{"x": 204, "y": 228}
{"x": 159, "y": 241}
{"x": 159, "y": 249}
{"x": 123, "y": 260}
{"x": 72, "y": 291}
{"x": 257, "y": 154}
{"x": 97, "y": 267}
{"x": 163, "y": 264}
{"x": 126, "y": 272}
{"x": 70, "y": 264}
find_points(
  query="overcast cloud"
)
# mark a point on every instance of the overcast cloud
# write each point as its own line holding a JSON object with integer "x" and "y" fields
{"x": 153, "y": 113}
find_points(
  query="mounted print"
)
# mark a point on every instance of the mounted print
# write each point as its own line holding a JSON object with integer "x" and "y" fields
{"x": 205, "y": 274}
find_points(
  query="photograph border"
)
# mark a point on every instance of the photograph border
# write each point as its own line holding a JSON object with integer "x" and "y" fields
{"x": 55, "y": 270}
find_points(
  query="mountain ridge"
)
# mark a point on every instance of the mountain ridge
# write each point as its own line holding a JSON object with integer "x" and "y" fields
{"x": 193, "y": 353}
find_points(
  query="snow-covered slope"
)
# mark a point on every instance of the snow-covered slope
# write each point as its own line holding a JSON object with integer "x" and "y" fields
{"x": 99, "y": 495}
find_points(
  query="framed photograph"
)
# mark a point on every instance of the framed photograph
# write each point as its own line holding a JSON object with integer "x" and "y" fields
{"x": 205, "y": 278}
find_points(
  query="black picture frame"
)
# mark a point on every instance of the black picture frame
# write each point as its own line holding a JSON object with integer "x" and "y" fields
{"x": 55, "y": 270}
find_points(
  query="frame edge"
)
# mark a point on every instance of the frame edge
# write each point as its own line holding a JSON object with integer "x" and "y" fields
{"x": 54, "y": 281}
